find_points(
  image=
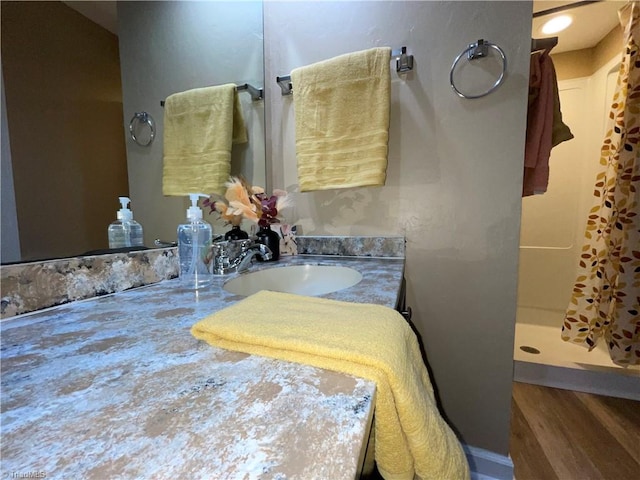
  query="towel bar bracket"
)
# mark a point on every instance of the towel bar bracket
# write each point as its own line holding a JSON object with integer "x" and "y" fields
{"x": 404, "y": 62}
{"x": 285, "y": 84}
{"x": 478, "y": 50}
{"x": 256, "y": 93}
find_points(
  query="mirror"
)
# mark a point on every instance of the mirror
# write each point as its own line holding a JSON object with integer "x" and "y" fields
{"x": 71, "y": 89}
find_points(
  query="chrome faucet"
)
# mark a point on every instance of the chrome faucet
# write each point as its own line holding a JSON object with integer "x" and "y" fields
{"x": 227, "y": 258}
{"x": 246, "y": 257}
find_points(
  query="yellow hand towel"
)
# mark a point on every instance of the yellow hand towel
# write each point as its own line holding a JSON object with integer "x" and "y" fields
{"x": 200, "y": 127}
{"x": 341, "y": 110}
{"x": 367, "y": 341}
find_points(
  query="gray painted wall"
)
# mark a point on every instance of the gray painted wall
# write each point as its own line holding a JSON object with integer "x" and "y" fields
{"x": 453, "y": 181}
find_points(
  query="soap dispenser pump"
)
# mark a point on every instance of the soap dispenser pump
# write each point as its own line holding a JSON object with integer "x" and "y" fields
{"x": 194, "y": 247}
{"x": 125, "y": 231}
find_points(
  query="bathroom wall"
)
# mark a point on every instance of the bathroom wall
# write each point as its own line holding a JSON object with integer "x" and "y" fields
{"x": 169, "y": 47}
{"x": 64, "y": 108}
{"x": 585, "y": 62}
{"x": 453, "y": 182}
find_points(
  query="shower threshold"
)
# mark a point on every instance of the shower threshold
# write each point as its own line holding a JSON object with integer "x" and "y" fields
{"x": 541, "y": 357}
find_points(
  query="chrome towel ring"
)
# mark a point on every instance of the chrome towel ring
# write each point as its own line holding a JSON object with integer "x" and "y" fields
{"x": 473, "y": 52}
{"x": 145, "y": 119}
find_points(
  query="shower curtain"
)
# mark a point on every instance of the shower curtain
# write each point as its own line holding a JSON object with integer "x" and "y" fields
{"x": 606, "y": 296}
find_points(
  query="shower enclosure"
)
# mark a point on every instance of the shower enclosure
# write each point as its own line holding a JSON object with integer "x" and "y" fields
{"x": 551, "y": 239}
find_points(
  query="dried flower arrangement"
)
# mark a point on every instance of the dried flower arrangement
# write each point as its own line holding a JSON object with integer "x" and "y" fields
{"x": 242, "y": 200}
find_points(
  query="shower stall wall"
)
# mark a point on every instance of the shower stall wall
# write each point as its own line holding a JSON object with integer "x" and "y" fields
{"x": 551, "y": 238}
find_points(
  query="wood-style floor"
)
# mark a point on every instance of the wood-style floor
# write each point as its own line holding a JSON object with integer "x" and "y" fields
{"x": 566, "y": 435}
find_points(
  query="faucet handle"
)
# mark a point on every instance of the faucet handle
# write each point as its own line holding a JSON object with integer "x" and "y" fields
{"x": 219, "y": 248}
{"x": 228, "y": 254}
{"x": 265, "y": 251}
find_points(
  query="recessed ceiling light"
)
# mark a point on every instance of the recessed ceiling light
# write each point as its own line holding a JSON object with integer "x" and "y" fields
{"x": 557, "y": 24}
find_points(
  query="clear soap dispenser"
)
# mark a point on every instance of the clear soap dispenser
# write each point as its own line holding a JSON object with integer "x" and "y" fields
{"x": 125, "y": 231}
{"x": 194, "y": 247}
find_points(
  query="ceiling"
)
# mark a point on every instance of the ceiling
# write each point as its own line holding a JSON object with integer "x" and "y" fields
{"x": 590, "y": 24}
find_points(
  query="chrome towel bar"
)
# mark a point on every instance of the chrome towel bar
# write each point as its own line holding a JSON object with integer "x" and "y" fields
{"x": 404, "y": 63}
{"x": 256, "y": 93}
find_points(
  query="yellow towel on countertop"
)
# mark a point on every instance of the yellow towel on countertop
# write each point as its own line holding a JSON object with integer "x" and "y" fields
{"x": 364, "y": 340}
{"x": 341, "y": 110}
{"x": 200, "y": 126}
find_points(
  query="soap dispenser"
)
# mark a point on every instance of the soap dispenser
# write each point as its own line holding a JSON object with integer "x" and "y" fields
{"x": 194, "y": 247}
{"x": 125, "y": 231}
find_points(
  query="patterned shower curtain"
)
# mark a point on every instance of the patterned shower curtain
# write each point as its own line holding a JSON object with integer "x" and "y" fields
{"x": 606, "y": 296}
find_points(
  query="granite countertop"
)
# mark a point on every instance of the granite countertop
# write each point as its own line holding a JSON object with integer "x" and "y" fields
{"x": 116, "y": 387}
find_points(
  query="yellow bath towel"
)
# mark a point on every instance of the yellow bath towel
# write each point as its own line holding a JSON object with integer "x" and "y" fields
{"x": 200, "y": 127}
{"x": 342, "y": 120}
{"x": 367, "y": 341}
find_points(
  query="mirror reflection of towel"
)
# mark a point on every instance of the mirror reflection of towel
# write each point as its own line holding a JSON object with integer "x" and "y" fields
{"x": 200, "y": 126}
{"x": 342, "y": 120}
{"x": 545, "y": 128}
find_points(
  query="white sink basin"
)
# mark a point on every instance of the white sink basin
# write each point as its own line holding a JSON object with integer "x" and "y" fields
{"x": 300, "y": 279}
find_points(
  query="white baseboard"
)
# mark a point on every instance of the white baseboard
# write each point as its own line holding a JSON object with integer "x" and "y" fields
{"x": 486, "y": 465}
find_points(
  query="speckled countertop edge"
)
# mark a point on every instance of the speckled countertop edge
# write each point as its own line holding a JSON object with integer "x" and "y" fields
{"x": 355, "y": 246}
{"x": 33, "y": 286}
